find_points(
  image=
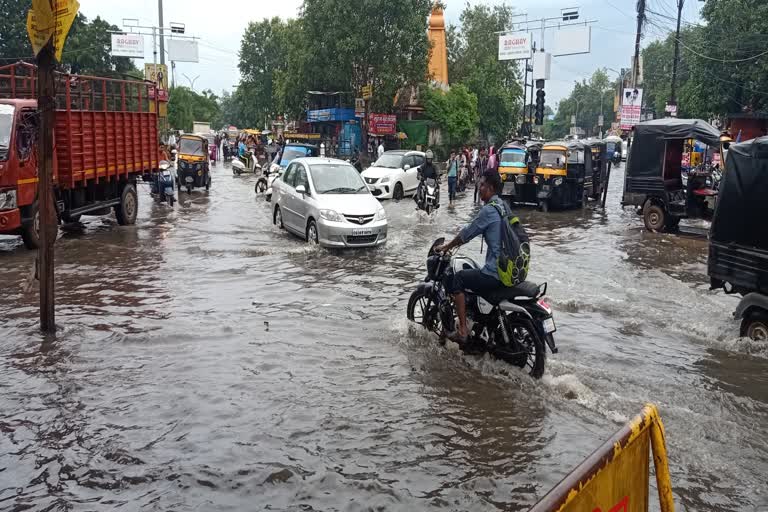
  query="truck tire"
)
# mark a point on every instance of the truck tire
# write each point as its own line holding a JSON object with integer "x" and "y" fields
{"x": 30, "y": 233}
{"x": 128, "y": 208}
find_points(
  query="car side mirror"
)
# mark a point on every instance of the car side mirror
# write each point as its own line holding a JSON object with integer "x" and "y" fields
{"x": 406, "y": 167}
{"x": 301, "y": 189}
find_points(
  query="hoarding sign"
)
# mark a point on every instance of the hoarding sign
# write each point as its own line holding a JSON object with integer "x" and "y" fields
{"x": 359, "y": 107}
{"x": 128, "y": 45}
{"x": 382, "y": 124}
{"x": 573, "y": 41}
{"x": 515, "y": 46}
{"x": 157, "y": 73}
{"x": 182, "y": 50}
{"x": 631, "y": 102}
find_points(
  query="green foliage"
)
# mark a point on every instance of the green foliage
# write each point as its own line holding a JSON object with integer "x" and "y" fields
{"x": 87, "y": 49}
{"x": 472, "y": 61}
{"x": 455, "y": 112}
{"x": 186, "y": 106}
{"x": 585, "y": 102}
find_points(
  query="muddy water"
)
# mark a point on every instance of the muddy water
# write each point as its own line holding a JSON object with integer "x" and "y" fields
{"x": 207, "y": 361}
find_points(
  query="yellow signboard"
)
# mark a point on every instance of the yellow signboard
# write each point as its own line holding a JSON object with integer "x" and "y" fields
{"x": 44, "y": 24}
{"x": 367, "y": 92}
{"x": 615, "y": 478}
{"x": 64, "y": 12}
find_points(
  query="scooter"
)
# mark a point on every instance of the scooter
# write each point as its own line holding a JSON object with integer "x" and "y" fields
{"x": 245, "y": 164}
{"x": 162, "y": 182}
{"x": 265, "y": 182}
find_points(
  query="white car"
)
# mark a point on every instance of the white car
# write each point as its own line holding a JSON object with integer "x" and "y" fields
{"x": 326, "y": 202}
{"x": 395, "y": 174}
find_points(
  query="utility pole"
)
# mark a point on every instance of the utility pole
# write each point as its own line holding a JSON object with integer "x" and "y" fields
{"x": 672, "y": 94}
{"x": 162, "y": 39}
{"x": 46, "y": 105}
{"x": 640, "y": 21}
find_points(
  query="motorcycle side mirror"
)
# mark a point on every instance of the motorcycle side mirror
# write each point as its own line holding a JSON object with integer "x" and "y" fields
{"x": 439, "y": 241}
{"x": 301, "y": 189}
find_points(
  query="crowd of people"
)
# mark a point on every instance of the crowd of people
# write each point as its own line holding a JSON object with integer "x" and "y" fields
{"x": 467, "y": 165}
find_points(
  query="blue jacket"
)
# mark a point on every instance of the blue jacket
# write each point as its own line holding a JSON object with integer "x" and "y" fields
{"x": 487, "y": 224}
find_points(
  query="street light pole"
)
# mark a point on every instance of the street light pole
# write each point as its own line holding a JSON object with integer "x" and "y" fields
{"x": 672, "y": 94}
{"x": 191, "y": 80}
{"x": 162, "y": 39}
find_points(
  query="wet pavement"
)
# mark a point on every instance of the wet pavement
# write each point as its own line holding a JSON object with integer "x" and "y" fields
{"x": 206, "y": 361}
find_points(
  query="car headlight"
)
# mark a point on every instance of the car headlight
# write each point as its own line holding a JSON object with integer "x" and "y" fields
{"x": 381, "y": 214}
{"x": 385, "y": 179}
{"x": 8, "y": 200}
{"x": 558, "y": 182}
{"x": 331, "y": 215}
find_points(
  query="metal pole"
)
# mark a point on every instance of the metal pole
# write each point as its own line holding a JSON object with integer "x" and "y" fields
{"x": 162, "y": 39}
{"x": 640, "y": 21}
{"x": 672, "y": 94}
{"x": 46, "y": 104}
{"x": 526, "y": 112}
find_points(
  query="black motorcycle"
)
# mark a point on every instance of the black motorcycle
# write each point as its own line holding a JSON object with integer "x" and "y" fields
{"x": 512, "y": 324}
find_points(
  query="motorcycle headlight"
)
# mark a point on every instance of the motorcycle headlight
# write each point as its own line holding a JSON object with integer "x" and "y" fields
{"x": 331, "y": 215}
{"x": 8, "y": 200}
{"x": 558, "y": 182}
{"x": 385, "y": 179}
{"x": 381, "y": 214}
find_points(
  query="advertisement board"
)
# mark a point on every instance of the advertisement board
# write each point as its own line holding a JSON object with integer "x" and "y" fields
{"x": 182, "y": 50}
{"x": 128, "y": 45}
{"x": 573, "y": 41}
{"x": 382, "y": 124}
{"x": 157, "y": 73}
{"x": 515, "y": 46}
{"x": 631, "y": 106}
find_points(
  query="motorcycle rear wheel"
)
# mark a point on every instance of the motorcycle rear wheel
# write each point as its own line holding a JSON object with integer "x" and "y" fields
{"x": 529, "y": 352}
{"x": 425, "y": 312}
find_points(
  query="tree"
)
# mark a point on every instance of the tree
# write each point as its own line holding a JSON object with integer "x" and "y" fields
{"x": 473, "y": 61}
{"x": 186, "y": 106}
{"x": 586, "y": 101}
{"x": 455, "y": 112}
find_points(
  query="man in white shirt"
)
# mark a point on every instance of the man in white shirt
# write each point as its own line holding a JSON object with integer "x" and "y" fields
{"x": 381, "y": 148}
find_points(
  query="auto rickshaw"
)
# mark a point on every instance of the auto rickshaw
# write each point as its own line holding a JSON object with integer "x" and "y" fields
{"x": 738, "y": 239}
{"x": 518, "y": 183}
{"x": 613, "y": 145}
{"x": 653, "y": 180}
{"x": 193, "y": 164}
{"x": 600, "y": 161}
{"x": 562, "y": 174}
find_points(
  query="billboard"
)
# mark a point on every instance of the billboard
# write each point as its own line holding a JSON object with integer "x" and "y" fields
{"x": 182, "y": 50}
{"x": 515, "y": 46}
{"x": 631, "y": 107}
{"x": 128, "y": 45}
{"x": 157, "y": 73}
{"x": 382, "y": 124}
{"x": 573, "y": 40}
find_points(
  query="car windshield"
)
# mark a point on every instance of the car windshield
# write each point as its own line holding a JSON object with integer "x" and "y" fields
{"x": 512, "y": 158}
{"x": 552, "y": 158}
{"x": 191, "y": 147}
{"x": 389, "y": 161}
{"x": 292, "y": 152}
{"x": 6, "y": 123}
{"x": 337, "y": 179}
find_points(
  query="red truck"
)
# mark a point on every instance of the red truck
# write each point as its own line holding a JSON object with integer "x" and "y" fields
{"x": 106, "y": 136}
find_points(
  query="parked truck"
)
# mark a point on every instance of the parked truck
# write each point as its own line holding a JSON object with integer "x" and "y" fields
{"x": 105, "y": 138}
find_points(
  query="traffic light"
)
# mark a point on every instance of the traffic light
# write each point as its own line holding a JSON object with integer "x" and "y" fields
{"x": 539, "y": 114}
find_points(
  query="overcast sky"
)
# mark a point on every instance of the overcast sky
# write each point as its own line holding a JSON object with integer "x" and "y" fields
{"x": 220, "y": 26}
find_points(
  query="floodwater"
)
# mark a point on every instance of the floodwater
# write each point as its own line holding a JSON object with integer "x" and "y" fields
{"x": 206, "y": 361}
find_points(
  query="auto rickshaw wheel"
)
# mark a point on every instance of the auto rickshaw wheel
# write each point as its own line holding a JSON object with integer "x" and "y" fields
{"x": 755, "y": 326}
{"x": 208, "y": 184}
{"x": 655, "y": 217}
{"x": 544, "y": 205}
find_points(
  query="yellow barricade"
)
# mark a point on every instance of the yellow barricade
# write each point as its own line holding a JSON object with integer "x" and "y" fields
{"x": 615, "y": 478}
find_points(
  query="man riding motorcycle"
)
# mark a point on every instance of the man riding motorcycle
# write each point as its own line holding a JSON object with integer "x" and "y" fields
{"x": 486, "y": 223}
{"x": 427, "y": 171}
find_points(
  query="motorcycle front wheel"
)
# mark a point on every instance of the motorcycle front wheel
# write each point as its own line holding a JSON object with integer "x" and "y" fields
{"x": 423, "y": 310}
{"x": 527, "y": 351}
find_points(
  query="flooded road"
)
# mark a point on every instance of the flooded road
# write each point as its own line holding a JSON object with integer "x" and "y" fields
{"x": 207, "y": 361}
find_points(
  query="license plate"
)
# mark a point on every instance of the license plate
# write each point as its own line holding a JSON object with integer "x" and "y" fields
{"x": 189, "y": 179}
{"x": 549, "y": 325}
{"x": 509, "y": 189}
{"x": 361, "y": 232}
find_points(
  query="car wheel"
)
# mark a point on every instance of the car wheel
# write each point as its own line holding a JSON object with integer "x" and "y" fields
{"x": 398, "y": 193}
{"x": 312, "y": 236}
{"x": 278, "y": 219}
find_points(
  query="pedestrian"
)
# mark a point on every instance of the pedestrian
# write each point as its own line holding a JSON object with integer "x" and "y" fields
{"x": 493, "y": 162}
{"x": 453, "y": 175}
{"x": 381, "y": 148}
{"x": 479, "y": 169}
{"x": 370, "y": 150}
{"x": 475, "y": 154}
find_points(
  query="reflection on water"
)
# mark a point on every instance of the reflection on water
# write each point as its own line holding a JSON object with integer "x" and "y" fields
{"x": 204, "y": 357}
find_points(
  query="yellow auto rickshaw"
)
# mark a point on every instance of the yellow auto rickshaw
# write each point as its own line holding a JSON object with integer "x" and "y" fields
{"x": 561, "y": 174}
{"x": 193, "y": 167}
